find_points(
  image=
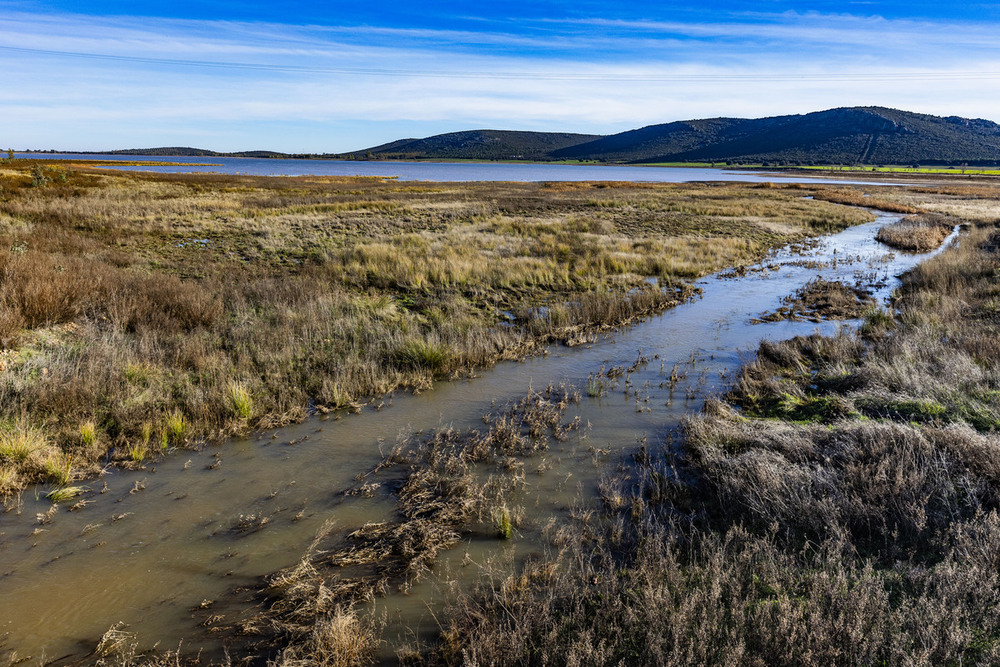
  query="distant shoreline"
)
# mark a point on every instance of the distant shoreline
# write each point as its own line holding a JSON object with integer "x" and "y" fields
{"x": 814, "y": 170}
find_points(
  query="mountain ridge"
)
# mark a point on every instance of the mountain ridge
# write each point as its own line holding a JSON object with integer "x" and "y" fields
{"x": 842, "y": 136}
{"x": 845, "y": 135}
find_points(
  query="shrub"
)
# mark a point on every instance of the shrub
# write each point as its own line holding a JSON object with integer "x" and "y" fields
{"x": 38, "y": 177}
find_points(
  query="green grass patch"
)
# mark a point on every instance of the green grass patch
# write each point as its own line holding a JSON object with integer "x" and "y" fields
{"x": 240, "y": 400}
{"x": 422, "y": 355}
{"x": 909, "y": 410}
{"x": 959, "y": 171}
{"x": 802, "y": 409}
{"x": 65, "y": 493}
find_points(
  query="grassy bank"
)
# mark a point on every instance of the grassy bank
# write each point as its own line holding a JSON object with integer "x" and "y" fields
{"x": 140, "y": 312}
{"x": 838, "y": 507}
{"x": 899, "y": 169}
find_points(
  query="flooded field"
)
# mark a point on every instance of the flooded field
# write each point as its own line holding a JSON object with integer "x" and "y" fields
{"x": 163, "y": 548}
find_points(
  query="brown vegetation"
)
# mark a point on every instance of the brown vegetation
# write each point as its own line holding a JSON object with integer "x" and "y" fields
{"x": 823, "y": 300}
{"x": 449, "y": 485}
{"x": 166, "y": 309}
{"x": 841, "y": 506}
{"x": 883, "y": 199}
{"x": 847, "y": 515}
{"x": 917, "y": 233}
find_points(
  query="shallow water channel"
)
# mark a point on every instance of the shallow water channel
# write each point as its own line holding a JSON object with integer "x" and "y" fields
{"x": 151, "y": 545}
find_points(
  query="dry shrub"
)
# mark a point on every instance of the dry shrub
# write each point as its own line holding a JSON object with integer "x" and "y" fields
{"x": 37, "y": 292}
{"x": 164, "y": 304}
{"x": 339, "y": 639}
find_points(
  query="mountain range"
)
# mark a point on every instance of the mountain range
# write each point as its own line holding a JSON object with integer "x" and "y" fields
{"x": 843, "y": 136}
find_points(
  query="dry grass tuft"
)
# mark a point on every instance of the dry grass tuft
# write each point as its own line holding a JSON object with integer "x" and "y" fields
{"x": 917, "y": 233}
{"x": 339, "y": 639}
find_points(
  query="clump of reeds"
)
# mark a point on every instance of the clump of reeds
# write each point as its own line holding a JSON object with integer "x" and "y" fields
{"x": 88, "y": 434}
{"x": 176, "y": 428}
{"x": 502, "y": 522}
{"x": 337, "y": 639}
{"x": 240, "y": 400}
{"x": 63, "y": 494}
{"x": 27, "y": 455}
{"x": 917, "y": 233}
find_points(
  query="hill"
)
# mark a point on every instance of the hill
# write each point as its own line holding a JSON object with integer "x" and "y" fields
{"x": 850, "y": 135}
{"x": 478, "y": 145}
{"x": 844, "y": 136}
{"x": 185, "y": 151}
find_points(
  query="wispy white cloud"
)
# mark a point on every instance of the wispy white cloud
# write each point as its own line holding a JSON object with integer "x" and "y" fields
{"x": 369, "y": 76}
{"x": 785, "y": 32}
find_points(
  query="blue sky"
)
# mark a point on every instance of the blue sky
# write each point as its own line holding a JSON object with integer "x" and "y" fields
{"x": 335, "y": 76}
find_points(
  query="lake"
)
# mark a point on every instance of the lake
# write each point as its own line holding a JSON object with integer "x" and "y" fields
{"x": 441, "y": 171}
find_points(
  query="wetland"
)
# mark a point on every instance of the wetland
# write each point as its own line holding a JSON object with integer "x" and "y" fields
{"x": 332, "y": 420}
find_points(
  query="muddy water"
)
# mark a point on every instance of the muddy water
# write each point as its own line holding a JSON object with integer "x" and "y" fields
{"x": 150, "y": 546}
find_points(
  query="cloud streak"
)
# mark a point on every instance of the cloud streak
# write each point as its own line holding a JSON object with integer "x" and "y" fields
{"x": 277, "y": 85}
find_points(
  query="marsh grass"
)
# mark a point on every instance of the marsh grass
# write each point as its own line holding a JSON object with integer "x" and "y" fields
{"x": 339, "y": 639}
{"x": 240, "y": 400}
{"x": 450, "y": 485}
{"x": 20, "y": 442}
{"x": 423, "y": 355}
{"x": 146, "y": 434}
{"x": 27, "y": 455}
{"x": 917, "y": 233}
{"x": 65, "y": 493}
{"x": 176, "y": 428}
{"x": 126, "y": 298}
{"x": 823, "y": 300}
{"x": 502, "y": 522}
{"x": 841, "y": 506}
{"x": 59, "y": 468}
{"x": 137, "y": 452}
{"x": 883, "y": 199}
{"x": 88, "y": 434}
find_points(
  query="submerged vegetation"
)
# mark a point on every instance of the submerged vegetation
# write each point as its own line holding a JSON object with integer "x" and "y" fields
{"x": 823, "y": 300}
{"x": 140, "y": 312}
{"x": 450, "y": 486}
